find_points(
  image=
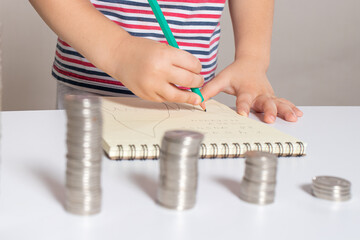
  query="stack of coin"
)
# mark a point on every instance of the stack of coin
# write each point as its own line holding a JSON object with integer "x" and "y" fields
{"x": 331, "y": 188}
{"x": 259, "y": 181}
{"x": 84, "y": 154}
{"x": 179, "y": 155}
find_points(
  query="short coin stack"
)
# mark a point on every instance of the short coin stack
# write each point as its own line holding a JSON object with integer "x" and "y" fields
{"x": 179, "y": 156}
{"x": 331, "y": 188}
{"x": 83, "y": 170}
{"x": 259, "y": 181}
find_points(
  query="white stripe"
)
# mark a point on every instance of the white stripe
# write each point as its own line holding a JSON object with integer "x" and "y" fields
{"x": 186, "y": 4}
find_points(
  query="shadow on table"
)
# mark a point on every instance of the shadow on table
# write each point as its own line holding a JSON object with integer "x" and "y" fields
{"x": 232, "y": 185}
{"x": 307, "y": 188}
{"x": 147, "y": 184}
{"x": 54, "y": 186}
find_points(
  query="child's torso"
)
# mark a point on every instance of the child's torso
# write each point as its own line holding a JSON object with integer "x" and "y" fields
{"x": 194, "y": 23}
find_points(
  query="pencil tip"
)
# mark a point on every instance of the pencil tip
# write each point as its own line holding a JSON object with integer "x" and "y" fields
{"x": 205, "y": 110}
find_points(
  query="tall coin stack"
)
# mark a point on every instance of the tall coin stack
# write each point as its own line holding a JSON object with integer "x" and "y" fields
{"x": 179, "y": 156}
{"x": 259, "y": 181}
{"x": 84, "y": 154}
{"x": 331, "y": 188}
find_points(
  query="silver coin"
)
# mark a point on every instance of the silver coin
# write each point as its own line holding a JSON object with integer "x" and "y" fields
{"x": 186, "y": 138}
{"x": 176, "y": 149}
{"x": 80, "y": 164}
{"x": 331, "y": 182}
{"x": 260, "y": 176}
{"x": 257, "y": 186}
{"x": 332, "y": 198}
{"x": 262, "y": 159}
{"x": 257, "y": 200}
{"x": 174, "y": 200}
{"x": 82, "y": 210}
{"x": 331, "y": 192}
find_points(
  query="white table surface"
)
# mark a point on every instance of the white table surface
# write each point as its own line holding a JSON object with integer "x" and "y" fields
{"x": 33, "y": 173}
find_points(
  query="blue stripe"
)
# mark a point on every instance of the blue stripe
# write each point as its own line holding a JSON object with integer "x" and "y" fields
{"x": 74, "y": 53}
{"x": 90, "y": 72}
{"x": 153, "y": 20}
{"x": 133, "y": 3}
{"x": 206, "y": 53}
{"x": 107, "y": 89}
{"x": 209, "y": 77}
{"x": 209, "y": 65}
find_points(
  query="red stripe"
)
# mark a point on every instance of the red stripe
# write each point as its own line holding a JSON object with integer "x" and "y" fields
{"x": 134, "y": 26}
{"x": 214, "y": 40}
{"x": 67, "y": 59}
{"x": 70, "y": 74}
{"x": 194, "y": 1}
{"x": 201, "y": 45}
{"x": 63, "y": 43}
{"x": 207, "y": 59}
{"x": 149, "y": 12}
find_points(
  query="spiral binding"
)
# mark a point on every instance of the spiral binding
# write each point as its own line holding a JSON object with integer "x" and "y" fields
{"x": 212, "y": 150}
{"x": 291, "y": 149}
{"x": 227, "y": 150}
{"x": 215, "y": 150}
{"x": 145, "y": 151}
{"x": 132, "y": 152}
{"x": 248, "y": 146}
{"x": 121, "y": 152}
{"x": 302, "y": 149}
{"x": 237, "y": 147}
{"x": 270, "y": 147}
{"x": 203, "y": 151}
{"x": 259, "y": 146}
{"x": 157, "y": 151}
{"x": 281, "y": 149}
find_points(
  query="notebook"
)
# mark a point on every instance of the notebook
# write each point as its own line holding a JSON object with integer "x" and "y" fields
{"x": 133, "y": 129}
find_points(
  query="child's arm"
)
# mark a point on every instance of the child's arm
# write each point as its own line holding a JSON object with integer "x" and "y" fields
{"x": 148, "y": 68}
{"x": 246, "y": 76}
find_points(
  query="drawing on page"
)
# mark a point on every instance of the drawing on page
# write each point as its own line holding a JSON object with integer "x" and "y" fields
{"x": 129, "y": 118}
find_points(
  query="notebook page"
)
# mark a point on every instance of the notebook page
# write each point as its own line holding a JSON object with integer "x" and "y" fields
{"x": 133, "y": 121}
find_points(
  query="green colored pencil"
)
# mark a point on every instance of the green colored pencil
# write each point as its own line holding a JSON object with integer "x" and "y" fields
{"x": 167, "y": 32}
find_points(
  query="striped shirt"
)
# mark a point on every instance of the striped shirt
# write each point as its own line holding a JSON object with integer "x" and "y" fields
{"x": 194, "y": 23}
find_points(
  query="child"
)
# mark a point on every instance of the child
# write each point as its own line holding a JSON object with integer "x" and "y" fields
{"x": 118, "y": 51}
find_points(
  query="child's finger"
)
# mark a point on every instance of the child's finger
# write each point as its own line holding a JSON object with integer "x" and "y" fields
{"x": 173, "y": 94}
{"x": 266, "y": 105}
{"x": 297, "y": 111}
{"x": 243, "y": 104}
{"x": 185, "y": 78}
{"x": 286, "y": 112}
{"x": 212, "y": 88}
{"x": 185, "y": 60}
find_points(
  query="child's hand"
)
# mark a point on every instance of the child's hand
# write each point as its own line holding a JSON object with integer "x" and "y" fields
{"x": 246, "y": 79}
{"x": 151, "y": 70}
